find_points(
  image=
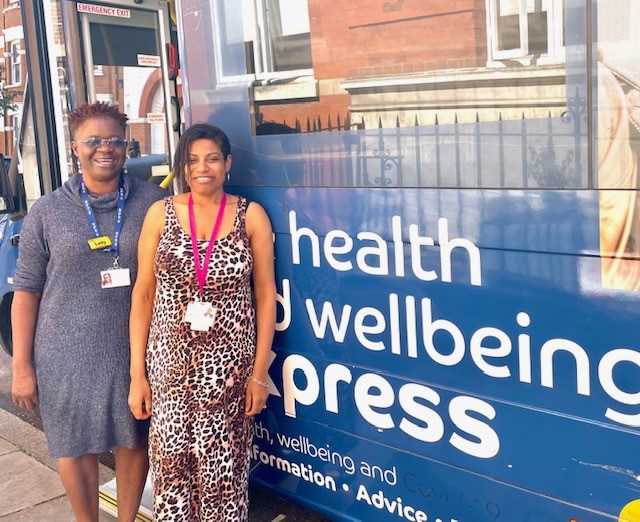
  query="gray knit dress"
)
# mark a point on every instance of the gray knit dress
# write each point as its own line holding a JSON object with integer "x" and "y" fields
{"x": 81, "y": 348}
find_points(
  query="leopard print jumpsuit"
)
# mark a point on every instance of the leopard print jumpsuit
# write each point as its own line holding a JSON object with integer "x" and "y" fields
{"x": 200, "y": 437}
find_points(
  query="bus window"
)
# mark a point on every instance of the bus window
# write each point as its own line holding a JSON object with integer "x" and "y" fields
{"x": 6, "y": 195}
{"x": 486, "y": 101}
{"x": 127, "y": 70}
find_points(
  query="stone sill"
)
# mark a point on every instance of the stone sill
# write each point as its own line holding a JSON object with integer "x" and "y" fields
{"x": 477, "y": 77}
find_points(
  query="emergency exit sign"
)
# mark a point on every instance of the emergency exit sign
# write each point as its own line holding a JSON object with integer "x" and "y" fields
{"x": 105, "y": 11}
{"x": 155, "y": 117}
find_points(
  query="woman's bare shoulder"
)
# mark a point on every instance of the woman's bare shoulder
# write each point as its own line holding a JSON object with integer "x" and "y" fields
{"x": 157, "y": 208}
{"x": 181, "y": 199}
{"x": 257, "y": 219}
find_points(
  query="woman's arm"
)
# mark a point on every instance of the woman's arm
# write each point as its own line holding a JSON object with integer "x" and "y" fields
{"x": 24, "y": 315}
{"x": 141, "y": 310}
{"x": 29, "y": 280}
{"x": 261, "y": 236}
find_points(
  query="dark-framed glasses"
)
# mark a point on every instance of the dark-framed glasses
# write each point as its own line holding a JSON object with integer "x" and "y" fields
{"x": 94, "y": 143}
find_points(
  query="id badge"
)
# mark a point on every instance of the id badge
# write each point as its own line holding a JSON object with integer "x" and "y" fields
{"x": 98, "y": 243}
{"x": 115, "y": 277}
{"x": 200, "y": 315}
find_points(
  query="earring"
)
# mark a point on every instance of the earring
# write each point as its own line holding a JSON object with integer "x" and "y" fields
{"x": 228, "y": 175}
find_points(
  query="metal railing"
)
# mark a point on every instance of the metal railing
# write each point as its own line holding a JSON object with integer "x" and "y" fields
{"x": 522, "y": 153}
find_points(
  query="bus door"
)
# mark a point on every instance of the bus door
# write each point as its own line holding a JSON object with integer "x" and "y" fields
{"x": 113, "y": 52}
{"x": 124, "y": 57}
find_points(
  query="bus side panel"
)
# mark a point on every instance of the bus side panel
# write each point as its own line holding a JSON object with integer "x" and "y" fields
{"x": 351, "y": 478}
{"x": 505, "y": 377}
{"x": 9, "y": 256}
{"x": 455, "y": 297}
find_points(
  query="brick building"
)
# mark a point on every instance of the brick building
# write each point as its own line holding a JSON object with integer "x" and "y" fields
{"x": 397, "y": 62}
{"x": 138, "y": 92}
{"x": 15, "y": 68}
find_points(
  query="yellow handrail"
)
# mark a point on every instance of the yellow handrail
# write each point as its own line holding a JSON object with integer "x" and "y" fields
{"x": 167, "y": 180}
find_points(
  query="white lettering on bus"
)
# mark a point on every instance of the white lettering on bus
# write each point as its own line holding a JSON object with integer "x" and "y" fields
{"x": 372, "y": 252}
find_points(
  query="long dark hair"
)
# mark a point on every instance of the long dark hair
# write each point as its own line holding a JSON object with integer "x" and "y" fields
{"x": 198, "y": 131}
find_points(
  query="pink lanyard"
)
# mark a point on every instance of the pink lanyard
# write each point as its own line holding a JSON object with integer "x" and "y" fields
{"x": 201, "y": 272}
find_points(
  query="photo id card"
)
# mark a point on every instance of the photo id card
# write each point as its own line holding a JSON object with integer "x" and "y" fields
{"x": 115, "y": 277}
{"x": 200, "y": 315}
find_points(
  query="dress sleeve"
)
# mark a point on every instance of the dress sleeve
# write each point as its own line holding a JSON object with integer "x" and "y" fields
{"x": 33, "y": 252}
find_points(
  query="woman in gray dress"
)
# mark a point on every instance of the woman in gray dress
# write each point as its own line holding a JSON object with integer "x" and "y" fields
{"x": 70, "y": 331}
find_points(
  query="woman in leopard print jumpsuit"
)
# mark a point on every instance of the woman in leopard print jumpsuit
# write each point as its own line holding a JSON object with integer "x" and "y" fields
{"x": 199, "y": 349}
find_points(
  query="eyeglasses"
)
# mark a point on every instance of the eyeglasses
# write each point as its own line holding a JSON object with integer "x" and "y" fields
{"x": 94, "y": 143}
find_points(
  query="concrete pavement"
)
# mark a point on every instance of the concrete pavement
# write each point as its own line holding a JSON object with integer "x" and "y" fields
{"x": 30, "y": 489}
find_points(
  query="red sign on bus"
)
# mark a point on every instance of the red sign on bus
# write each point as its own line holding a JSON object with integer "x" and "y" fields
{"x": 102, "y": 10}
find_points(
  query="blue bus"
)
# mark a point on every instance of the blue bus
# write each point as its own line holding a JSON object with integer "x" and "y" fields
{"x": 453, "y": 189}
{"x": 9, "y": 232}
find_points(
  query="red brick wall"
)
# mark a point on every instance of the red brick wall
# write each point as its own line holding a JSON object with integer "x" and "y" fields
{"x": 368, "y": 38}
{"x": 140, "y": 132}
{"x": 356, "y": 38}
{"x": 11, "y": 17}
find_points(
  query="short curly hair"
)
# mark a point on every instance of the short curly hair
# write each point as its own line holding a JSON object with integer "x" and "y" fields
{"x": 87, "y": 111}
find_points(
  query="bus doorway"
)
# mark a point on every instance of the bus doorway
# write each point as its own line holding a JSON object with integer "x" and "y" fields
{"x": 113, "y": 52}
{"x": 123, "y": 53}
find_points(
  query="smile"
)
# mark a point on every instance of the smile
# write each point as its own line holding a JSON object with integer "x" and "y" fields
{"x": 105, "y": 162}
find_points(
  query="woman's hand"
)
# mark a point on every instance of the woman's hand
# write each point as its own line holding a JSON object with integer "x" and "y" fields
{"x": 140, "y": 398}
{"x": 25, "y": 386}
{"x": 256, "y": 398}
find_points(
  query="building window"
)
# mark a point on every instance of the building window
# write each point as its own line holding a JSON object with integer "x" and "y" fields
{"x": 264, "y": 39}
{"x": 284, "y": 44}
{"x": 16, "y": 64}
{"x": 528, "y": 31}
{"x": 16, "y": 125}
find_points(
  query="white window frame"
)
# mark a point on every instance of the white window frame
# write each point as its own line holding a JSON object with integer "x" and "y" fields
{"x": 217, "y": 22}
{"x": 555, "y": 31}
{"x": 15, "y": 122}
{"x": 261, "y": 51}
{"x": 15, "y": 53}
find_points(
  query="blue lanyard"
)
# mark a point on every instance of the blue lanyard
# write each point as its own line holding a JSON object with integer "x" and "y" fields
{"x": 92, "y": 218}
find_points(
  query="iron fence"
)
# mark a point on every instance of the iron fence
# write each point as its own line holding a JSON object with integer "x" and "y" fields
{"x": 524, "y": 153}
